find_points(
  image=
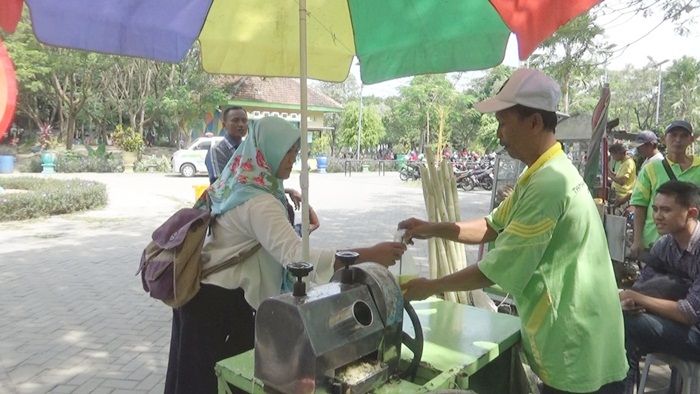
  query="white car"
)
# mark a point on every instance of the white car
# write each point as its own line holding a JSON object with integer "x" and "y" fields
{"x": 190, "y": 161}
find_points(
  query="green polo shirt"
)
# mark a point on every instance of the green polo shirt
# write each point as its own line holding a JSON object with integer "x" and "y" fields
{"x": 649, "y": 179}
{"x": 551, "y": 254}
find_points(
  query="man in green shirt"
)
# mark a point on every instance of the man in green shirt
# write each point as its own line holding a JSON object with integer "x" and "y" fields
{"x": 550, "y": 250}
{"x": 678, "y": 137}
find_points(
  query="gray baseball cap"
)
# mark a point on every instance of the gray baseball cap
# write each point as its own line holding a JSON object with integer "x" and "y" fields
{"x": 645, "y": 137}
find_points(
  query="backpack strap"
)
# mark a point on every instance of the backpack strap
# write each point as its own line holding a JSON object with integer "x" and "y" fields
{"x": 669, "y": 171}
{"x": 235, "y": 260}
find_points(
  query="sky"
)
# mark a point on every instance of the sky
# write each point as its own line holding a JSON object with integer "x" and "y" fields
{"x": 636, "y": 37}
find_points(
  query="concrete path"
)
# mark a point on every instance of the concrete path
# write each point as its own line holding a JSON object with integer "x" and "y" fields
{"x": 73, "y": 317}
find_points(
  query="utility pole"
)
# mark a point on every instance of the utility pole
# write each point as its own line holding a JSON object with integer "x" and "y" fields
{"x": 359, "y": 123}
{"x": 658, "y": 91}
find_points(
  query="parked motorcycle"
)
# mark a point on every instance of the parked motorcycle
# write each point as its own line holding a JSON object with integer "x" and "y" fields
{"x": 409, "y": 171}
{"x": 481, "y": 176}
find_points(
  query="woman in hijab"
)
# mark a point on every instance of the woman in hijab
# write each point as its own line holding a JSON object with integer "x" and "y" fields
{"x": 249, "y": 202}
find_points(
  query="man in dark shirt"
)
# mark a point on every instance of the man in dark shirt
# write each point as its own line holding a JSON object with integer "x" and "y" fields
{"x": 236, "y": 126}
{"x": 663, "y": 307}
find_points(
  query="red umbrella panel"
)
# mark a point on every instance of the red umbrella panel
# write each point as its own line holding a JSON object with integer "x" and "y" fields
{"x": 8, "y": 91}
{"x": 10, "y": 12}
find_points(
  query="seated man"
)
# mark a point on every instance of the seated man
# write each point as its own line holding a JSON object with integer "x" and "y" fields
{"x": 623, "y": 174}
{"x": 663, "y": 309}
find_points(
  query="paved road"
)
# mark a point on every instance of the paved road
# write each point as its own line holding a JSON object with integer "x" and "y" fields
{"x": 73, "y": 317}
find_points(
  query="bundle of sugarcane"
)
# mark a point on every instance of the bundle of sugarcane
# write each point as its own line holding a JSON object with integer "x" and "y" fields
{"x": 442, "y": 204}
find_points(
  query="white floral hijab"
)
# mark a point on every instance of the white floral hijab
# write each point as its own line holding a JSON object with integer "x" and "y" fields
{"x": 252, "y": 169}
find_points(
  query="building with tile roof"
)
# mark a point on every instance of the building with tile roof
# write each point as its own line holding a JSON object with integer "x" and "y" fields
{"x": 262, "y": 96}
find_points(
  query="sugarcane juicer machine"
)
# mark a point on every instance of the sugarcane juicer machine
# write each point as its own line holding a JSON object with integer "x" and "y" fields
{"x": 341, "y": 337}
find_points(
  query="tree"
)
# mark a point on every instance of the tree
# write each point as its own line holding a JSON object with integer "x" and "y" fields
{"x": 413, "y": 118}
{"x": 632, "y": 98}
{"x": 372, "y": 127}
{"x": 681, "y": 95}
{"x": 681, "y": 13}
{"x": 572, "y": 55}
{"x": 343, "y": 93}
{"x": 74, "y": 77}
{"x": 33, "y": 75}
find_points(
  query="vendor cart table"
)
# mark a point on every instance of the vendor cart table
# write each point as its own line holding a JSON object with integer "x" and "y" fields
{"x": 465, "y": 348}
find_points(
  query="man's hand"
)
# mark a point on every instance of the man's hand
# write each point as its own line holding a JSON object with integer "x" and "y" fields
{"x": 418, "y": 289}
{"x": 628, "y": 301}
{"x": 295, "y": 196}
{"x": 635, "y": 250}
{"x": 415, "y": 228}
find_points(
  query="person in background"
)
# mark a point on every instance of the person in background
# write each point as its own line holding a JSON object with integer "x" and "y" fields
{"x": 550, "y": 250}
{"x": 623, "y": 174}
{"x": 647, "y": 144}
{"x": 249, "y": 203}
{"x": 413, "y": 155}
{"x": 681, "y": 166}
{"x": 236, "y": 127}
{"x": 663, "y": 307}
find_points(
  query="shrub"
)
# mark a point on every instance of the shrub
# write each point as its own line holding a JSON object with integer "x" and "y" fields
{"x": 74, "y": 162}
{"x": 29, "y": 164}
{"x": 8, "y": 150}
{"x": 152, "y": 163}
{"x": 44, "y": 197}
{"x": 128, "y": 139}
{"x": 46, "y": 138}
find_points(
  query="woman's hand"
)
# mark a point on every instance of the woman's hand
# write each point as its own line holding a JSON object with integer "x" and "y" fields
{"x": 385, "y": 253}
{"x": 295, "y": 196}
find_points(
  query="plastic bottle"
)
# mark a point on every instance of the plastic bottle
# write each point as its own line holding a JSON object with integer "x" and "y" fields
{"x": 406, "y": 269}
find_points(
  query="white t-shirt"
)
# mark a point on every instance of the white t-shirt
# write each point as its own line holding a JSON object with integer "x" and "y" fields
{"x": 657, "y": 156}
{"x": 261, "y": 219}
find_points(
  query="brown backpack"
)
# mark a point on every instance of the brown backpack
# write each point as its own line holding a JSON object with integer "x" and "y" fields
{"x": 171, "y": 266}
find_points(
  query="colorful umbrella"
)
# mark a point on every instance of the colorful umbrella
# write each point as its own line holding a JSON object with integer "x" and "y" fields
{"x": 8, "y": 91}
{"x": 391, "y": 38}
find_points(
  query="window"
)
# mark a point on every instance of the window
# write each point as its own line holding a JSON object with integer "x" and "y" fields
{"x": 204, "y": 145}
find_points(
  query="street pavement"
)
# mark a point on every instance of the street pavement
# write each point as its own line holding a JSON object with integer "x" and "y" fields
{"x": 73, "y": 315}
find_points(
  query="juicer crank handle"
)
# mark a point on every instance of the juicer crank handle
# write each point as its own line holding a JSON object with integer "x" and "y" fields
{"x": 415, "y": 345}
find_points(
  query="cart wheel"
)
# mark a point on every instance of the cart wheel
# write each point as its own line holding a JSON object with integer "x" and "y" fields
{"x": 415, "y": 345}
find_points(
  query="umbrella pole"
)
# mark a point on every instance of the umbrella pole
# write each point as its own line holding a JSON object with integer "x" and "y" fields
{"x": 304, "y": 179}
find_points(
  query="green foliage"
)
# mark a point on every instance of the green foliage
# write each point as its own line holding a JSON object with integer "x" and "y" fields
{"x": 633, "y": 101}
{"x": 152, "y": 163}
{"x": 99, "y": 152}
{"x": 681, "y": 94}
{"x": 71, "y": 162}
{"x": 322, "y": 144}
{"x": 44, "y": 197}
{"x": 127, "y": 139}
{"x": 571, "y": 55}
{"x": 372, "y": 127}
